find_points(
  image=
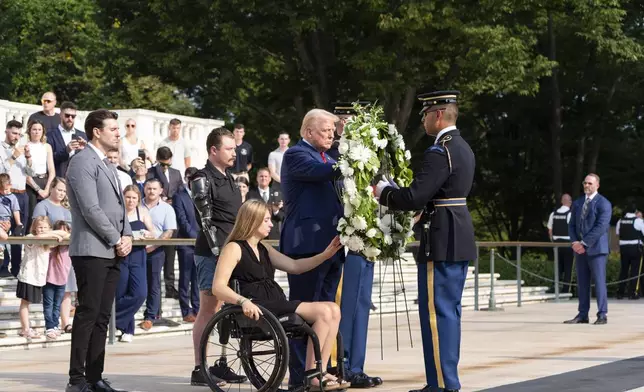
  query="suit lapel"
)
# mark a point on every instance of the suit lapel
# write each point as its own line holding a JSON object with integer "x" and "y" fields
{"x": 106, "y": 170}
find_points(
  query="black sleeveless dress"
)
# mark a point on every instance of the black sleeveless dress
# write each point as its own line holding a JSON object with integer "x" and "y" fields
{"x": 257, "y": 280}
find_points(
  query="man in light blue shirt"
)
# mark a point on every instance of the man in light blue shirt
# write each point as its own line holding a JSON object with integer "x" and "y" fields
{"x": 165, "y": 223}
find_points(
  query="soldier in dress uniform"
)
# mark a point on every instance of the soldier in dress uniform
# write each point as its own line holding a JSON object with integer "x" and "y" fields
{"x": 447, "y": 245}
{"x": 354, "y": 298}
{"x": 630, "y": 229}
{"x": 558, "y": 232}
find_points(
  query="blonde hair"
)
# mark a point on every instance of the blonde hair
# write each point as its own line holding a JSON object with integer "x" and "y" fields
{"x": 313, "y": 116}
{"x": 249, "y": 218}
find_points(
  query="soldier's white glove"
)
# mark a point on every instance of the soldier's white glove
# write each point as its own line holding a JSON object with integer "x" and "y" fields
{"x": 382, "y": 184}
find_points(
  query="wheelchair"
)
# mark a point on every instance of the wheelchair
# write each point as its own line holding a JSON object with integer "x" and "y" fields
{"x": 260, "y": 348}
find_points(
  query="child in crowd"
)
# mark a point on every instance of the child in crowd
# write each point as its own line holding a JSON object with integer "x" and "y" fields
{"x": 33, "y": 272}
{"x": 59, "y": 265}
{"x": 9, "y": 207}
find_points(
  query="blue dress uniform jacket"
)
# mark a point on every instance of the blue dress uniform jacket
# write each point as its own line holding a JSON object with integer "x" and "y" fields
{"x": 312, "y": 209}
{"x": 441, "y": 186}
{"x": 592, "y": 231}
{"x": 451, "y": 231}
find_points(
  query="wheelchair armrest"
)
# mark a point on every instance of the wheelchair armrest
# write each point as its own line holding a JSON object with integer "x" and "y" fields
{"x": 234, "y": 284}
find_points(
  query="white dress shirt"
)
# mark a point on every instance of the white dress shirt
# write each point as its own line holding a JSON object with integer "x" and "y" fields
{"x": 444, "y": 131}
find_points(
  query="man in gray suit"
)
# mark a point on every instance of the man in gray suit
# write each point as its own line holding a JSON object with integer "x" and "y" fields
{"x": 101, "y": 238}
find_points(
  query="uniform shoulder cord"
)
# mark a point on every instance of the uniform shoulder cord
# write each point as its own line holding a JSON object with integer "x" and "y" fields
{"x": 443, "y": 142}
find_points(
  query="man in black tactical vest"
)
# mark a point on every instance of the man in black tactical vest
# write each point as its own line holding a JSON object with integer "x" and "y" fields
{"x": 558, "y": 232}
{"x": 630, "y": 229}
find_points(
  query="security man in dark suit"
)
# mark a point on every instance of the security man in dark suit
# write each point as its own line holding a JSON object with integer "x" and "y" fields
{"x": 630, "y": 229}
{"x": 354, "y": 298}
{"x": 558, "y": 232}
{"x": 447, "y": 244}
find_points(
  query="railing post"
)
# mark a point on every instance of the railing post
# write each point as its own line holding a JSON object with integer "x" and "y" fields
{"x": 492, "y": 302}
{"x": 476, "y": 279}
{"x": 519, "y": 276}
{"x": 556, "y": 251}
{"x": 112, "y": 326}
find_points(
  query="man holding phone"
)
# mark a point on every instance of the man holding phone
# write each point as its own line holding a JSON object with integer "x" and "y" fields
{"x": 66, "y": 140}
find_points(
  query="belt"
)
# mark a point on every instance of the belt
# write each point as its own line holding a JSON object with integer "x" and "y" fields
{"x": 18, "y": 190}
{"x": 453, "y": 202}
{"x": 40, "y": 175}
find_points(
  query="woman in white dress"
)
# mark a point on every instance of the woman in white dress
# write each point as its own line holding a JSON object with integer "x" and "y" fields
{"x": 42, "y": 163}
{"x": 130, "y": 146}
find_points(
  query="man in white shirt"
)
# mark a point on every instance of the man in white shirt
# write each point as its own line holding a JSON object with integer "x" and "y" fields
{"x": 178, "y": 145}
{"x": 15, "y": 160}
{"x": 558, "y": 232}
{"x": 275, "y": 159}
{"x": 124, "y": 178}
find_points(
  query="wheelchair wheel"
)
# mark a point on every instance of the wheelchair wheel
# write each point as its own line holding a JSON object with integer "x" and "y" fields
{"x": 259, "y": 347}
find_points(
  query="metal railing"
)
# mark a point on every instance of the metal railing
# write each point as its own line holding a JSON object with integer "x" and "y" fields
{"x": 491, "y": 245}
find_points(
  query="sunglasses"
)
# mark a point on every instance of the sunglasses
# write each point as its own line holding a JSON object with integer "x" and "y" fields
{"x": 67, "y": 115}
{"x": 130, "y": 126}
{"x": 165, "y": 164}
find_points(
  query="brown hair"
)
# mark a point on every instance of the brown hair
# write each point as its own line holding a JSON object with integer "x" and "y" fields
{"x": 43, "y": 138}
{"x": 54, "y": 184}
{"x": 215, "y": 136}
{"x": 4, "y": 179}
{"x": 249, "y": 219}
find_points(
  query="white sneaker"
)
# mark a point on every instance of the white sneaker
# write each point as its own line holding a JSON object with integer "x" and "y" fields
{"x": 58, "y": 331}
{"x": 126, "y": 338}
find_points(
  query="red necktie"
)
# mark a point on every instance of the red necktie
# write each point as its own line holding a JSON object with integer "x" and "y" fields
{"x": 323, "y": 157}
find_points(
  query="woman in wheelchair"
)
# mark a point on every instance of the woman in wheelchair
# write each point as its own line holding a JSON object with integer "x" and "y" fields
{"x": 253, "y": 265}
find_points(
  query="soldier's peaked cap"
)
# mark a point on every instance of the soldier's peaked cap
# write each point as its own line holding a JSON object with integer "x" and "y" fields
{"x": 438, "y": 98}
{"x": 347, "y": 107}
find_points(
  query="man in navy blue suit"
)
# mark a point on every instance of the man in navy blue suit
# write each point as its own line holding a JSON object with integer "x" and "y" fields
{"x": 65, "y": 140}
{"x": 312, "y": 209}
{"x": 187, "y": 228}
{"x": 588, "y": 227}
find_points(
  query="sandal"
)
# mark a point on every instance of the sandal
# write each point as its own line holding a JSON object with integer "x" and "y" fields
{"x": 29, "y": 334}
{"x": 328, "y": 385}
{"x": 344, "y": 384}
{"x": 68, "y": 328}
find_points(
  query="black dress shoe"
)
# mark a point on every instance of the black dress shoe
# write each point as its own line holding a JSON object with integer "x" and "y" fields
{"x": 84, "y": 387}
{"x": 376, "y": 381}
{"x": 601, "y": 320}
{"x": 577, "y": 320}
{"x": 426, "y": 388}
{"x": 105, "y": 386}
{"x": 360, "y": 380}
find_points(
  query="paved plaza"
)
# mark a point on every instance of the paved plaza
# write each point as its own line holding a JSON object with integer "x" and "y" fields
{"x": 528, "y": 347}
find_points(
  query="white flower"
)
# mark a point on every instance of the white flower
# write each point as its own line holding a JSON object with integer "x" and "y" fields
{"x": 373, "y": 132}
{"x": 380, "y": 143}
{"x": 399, "y": 142}
{"x": 388, "y": 240}
{"x": 371, "y": 233}
{"x": 407, "y": 155}
{"x": 350, "y": 187}
{"x": 341, "y": 223}
{"x": 355, "y": 201}
{"x": 355, "y": 243}
{"x": 345, "y": 168}
{"x": 392, "y": 129}
{"x": 371, "y": 252}
{"x": 348, "y": 210}
{"x": 361, "y": 165}
{"x": 359, "y": 222}
{"x": 360, "y": 153}
{"x": 344, "y": 239}
{"x": 343, "y": 147}
{"x": 348, "y": 230}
